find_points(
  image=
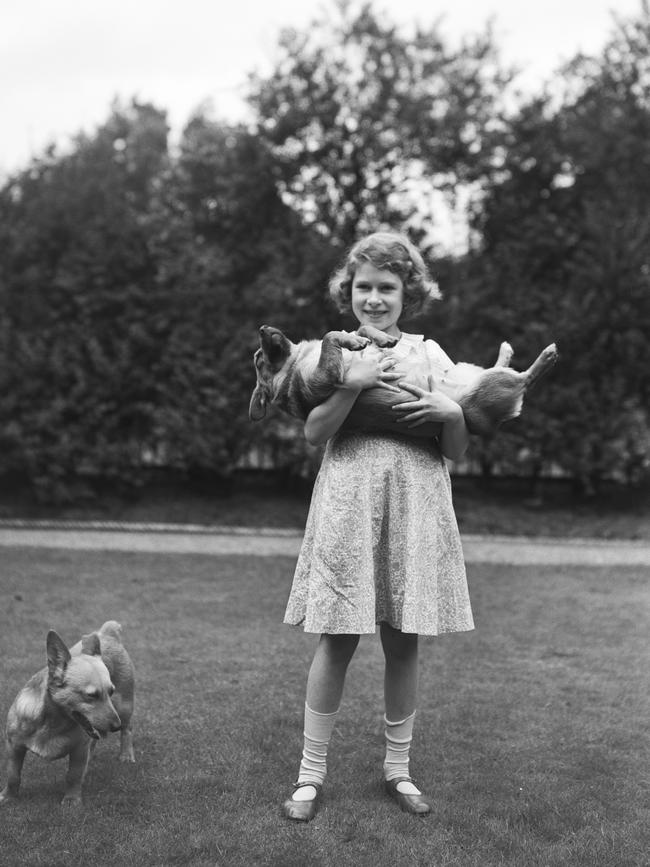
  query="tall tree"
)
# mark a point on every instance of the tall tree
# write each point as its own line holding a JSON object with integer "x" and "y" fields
{"x": 565, "y": 238}
{"x": 365, "y": 119}
{"x": 75, "y": 300}
{"x": 131, "y": 292}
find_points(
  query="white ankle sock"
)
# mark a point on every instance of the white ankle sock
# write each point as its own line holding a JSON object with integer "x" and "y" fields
{"x": 313, "y": 767}
{"x": 398, "y": 744}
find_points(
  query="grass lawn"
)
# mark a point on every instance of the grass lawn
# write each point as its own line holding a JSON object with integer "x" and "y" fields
{"x": 532, "y": 732}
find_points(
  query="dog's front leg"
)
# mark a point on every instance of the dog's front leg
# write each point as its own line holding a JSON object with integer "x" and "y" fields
{"x": 380, "y": 338}
{"x": 77, "y": 766}
{"x": 328, "y": 373}
{"x": 15, "y": 759}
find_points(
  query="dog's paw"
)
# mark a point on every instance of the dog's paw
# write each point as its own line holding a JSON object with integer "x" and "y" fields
{"x": 386, "y": 340}
{"x": 379, "y": 338}
{"x": 128, "y": 758}
{"x": 7, "y": 797}
{"x": 550, "y": 354}
{"x": 356, "y": 341}
{"x": 505, "y": 355}
{"x": 71, "y": 802}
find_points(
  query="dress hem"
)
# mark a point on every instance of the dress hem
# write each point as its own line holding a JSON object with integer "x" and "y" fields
{"x": 325, "y": 631}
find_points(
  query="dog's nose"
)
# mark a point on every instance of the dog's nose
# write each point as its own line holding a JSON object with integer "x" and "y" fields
{"x": 116, "y": 726}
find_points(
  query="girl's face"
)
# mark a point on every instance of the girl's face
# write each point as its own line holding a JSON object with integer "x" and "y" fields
{"x": 377, "y": 298}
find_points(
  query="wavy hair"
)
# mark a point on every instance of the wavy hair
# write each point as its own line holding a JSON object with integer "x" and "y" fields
{"x": 388, "y": 251}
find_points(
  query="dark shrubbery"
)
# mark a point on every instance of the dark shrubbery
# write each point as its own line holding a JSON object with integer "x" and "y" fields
{"x": 133, "y": 279}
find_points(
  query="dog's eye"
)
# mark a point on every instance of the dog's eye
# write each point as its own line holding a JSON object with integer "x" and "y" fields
{"x": 111, "y": 689}
{"x": 92, "y": 694}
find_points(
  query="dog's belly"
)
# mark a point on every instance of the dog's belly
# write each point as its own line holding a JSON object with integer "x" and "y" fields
{"x": 373, "y": 411}
{"x": 373, "y": 408}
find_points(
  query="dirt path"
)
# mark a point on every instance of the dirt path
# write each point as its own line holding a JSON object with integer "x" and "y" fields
{"x": 199, "y": 539}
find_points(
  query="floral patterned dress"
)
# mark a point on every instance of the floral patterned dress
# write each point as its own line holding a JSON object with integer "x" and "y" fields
{"x": 381, "y": 541}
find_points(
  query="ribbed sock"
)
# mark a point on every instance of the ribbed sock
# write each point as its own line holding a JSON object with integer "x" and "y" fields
{"x": 313, "y": 767}
{"x": 398, "y": 744}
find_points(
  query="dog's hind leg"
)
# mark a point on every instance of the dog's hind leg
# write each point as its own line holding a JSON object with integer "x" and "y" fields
{"x": 124, "y": 707}
{"x": 545, "y": 360}
{"x": 505, "y": 355}
{"x": 126, "y": 744}
{"x": 15, "y": 759}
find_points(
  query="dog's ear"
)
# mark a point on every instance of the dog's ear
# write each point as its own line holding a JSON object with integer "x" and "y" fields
{"x": 58, "y": 657}
{"x": 90, "y": 644}
{"x": 257, "y": 406}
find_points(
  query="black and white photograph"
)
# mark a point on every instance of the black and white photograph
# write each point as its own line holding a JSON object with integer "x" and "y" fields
{"x": 325, "y": 433}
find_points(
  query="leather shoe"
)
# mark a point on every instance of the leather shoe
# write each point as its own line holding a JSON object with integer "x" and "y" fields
{"x": 302, "y": 811}
{"x": 418, "y": 805}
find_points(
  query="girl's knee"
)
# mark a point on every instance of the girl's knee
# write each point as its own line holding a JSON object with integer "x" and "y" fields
{"x": 340, "y": 647}
{"x": 398, "y": 644}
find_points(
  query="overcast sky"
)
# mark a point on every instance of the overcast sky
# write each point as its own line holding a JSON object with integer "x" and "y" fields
{"x": 63, "y": 61}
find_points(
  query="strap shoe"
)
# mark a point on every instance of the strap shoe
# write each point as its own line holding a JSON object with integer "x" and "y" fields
{"x": 418, "y": 805}
{"x": 303, "y": 811}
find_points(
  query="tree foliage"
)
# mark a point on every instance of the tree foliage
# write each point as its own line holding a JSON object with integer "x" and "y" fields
{"x": 76, "y": 303}
{"x": 564, "y": 255}
{"x": 131, "y": 294}
{"x": 134, "y": 278}
{"x": 363, "y": 118}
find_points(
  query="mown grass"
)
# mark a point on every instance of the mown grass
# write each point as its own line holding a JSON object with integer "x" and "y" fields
{"x": 532, "y": 734}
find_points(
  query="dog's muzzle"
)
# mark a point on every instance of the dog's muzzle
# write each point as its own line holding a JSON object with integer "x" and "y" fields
{"x": 85, "y": 724}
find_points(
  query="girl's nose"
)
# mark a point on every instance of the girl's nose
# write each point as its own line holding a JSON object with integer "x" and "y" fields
{"x": 373, "y": 298}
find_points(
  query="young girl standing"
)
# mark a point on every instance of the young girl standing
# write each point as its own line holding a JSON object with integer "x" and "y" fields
{"x": 381, "y": 543}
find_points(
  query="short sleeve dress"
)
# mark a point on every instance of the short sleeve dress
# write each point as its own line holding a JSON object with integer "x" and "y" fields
{"x": 381, "y": 542}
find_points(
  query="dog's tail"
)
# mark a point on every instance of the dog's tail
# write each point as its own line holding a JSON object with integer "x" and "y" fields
{"x": 112, "y": 628}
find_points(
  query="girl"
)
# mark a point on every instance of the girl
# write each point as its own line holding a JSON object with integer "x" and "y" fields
{"x": 381, "y": 543}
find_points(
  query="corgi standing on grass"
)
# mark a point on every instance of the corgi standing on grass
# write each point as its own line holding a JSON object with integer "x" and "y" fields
{"x": 82, "y": 695}
{"x": 381, "y": 544}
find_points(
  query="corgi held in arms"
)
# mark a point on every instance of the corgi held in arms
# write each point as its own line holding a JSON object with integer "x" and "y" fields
{"x": 296, "y": 377}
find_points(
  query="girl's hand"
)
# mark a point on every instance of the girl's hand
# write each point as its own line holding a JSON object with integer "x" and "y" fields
{"x": 430, "y": 406}
{"x": 370, "y": 371}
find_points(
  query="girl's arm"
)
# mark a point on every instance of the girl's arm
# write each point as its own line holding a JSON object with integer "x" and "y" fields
{"x": 454, "y": 438}
{"x": 325, "y": 419}
{"x": 435, "y": 406}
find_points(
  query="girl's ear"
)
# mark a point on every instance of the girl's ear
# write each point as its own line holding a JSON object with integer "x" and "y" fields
{"x": 257, "y": 406}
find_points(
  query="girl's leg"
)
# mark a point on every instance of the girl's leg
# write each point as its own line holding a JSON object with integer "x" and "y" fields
{"x": 400, "y": 692}
{"x": 324, "y": 689}
{"x": 327, "y": 672}
{"x": 401, "y": 674}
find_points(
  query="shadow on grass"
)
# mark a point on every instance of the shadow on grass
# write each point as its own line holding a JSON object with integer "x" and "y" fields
{"x": 530, "y": 737}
